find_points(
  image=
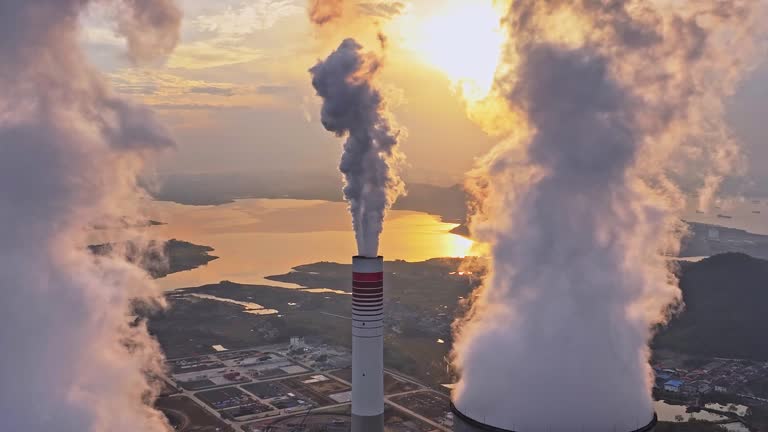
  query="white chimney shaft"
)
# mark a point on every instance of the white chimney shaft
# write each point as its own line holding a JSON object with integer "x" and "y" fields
{"x": 367, "y": 344}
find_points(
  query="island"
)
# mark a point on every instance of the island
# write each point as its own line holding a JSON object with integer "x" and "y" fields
{"x": 160, "y": 259}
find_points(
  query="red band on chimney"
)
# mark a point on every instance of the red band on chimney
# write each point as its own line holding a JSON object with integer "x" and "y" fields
{"x": 368, "y": 277}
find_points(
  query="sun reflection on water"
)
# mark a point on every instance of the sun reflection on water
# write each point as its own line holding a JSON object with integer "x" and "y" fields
{"x": 255, "y": 238}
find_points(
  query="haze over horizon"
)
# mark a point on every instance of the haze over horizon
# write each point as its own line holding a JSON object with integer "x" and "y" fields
{"x": 236, "y": 97}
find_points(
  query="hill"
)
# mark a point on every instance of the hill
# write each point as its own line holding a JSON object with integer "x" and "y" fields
{"x": 214, "y": 189}
{"x": 726, "y": 298}
{"x": 447, "y": 202}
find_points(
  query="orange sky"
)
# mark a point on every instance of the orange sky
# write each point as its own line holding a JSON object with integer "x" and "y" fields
{"x": 237, "y": 95}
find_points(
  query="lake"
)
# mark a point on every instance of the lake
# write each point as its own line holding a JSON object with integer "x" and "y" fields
{"x": 254, "y": 238}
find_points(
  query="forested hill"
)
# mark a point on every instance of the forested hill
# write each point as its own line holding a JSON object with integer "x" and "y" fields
{"x": 726, "y": 309}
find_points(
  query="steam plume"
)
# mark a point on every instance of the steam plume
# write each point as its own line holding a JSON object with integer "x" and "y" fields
{"x": 353, "y": 106}
{"x": 324, "y": 11}
{"x": 576, "y": 208}
{"x": 73, "y": 358}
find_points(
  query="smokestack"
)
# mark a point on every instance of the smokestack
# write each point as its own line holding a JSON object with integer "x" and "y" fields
{"x": 464, "y": 423}
{"x": 367, "y": 344}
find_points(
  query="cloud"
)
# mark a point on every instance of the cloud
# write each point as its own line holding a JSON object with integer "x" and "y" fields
{"x": 216, "y": 52}
{"x": 221, "y": 38}
{"x": 150, "y": 27}
{"x": 194, "y": 106}
{"x": 274, "y": 89}
{"x": 248, "y": 18}
{"x": 380, "y": 9}
{"x": 322, "y": 12}
{"x": 162, "y": 84}
{"x": 212, "y": 90}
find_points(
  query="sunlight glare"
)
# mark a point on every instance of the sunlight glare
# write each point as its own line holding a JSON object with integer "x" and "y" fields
{"x": 463, "y": 40}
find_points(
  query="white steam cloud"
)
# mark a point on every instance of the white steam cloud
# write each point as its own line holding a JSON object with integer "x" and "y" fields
{"x": 74, "y": 359}
{"x": 354, "y": 107}
{"x": 608, "y": 96}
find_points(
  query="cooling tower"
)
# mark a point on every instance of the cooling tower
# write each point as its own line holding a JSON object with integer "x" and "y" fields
{"x": 464, "y": 423}
{"x": 367, "y": 344}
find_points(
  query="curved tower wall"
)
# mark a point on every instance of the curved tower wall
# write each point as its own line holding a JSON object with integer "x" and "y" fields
{"x": 463, "y": 423}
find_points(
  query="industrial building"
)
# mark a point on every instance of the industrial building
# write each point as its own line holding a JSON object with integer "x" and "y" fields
{"x": 673, "y": 386}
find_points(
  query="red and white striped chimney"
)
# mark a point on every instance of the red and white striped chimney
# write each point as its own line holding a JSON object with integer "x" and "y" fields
{"x": 367, "y": 344}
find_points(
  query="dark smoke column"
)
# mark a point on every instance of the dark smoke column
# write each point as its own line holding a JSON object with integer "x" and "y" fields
{"x": 354, "y": 108}
{"x": 367, "y": 344}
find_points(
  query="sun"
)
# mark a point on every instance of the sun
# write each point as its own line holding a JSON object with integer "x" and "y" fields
{"x": 462, "y": 39}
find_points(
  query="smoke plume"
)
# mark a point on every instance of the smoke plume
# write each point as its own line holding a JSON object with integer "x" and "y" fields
{"x": 324, "y": 11}
{"x": 354, "y": 107}
{"x": 74, "y": 359}
{"x": 575, "y": 206}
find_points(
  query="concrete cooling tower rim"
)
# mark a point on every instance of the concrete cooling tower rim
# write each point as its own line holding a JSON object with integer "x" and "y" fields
{"x": 485, "y": 427}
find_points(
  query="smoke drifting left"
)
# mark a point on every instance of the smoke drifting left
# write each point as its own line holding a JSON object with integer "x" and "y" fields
{"x": 70, "y": 152}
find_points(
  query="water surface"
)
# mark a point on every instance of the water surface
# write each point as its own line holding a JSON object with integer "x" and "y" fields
{"x": 255, "y": 238}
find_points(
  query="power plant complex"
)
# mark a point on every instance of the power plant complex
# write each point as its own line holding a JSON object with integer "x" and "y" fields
{"x": 367, "y": 344}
